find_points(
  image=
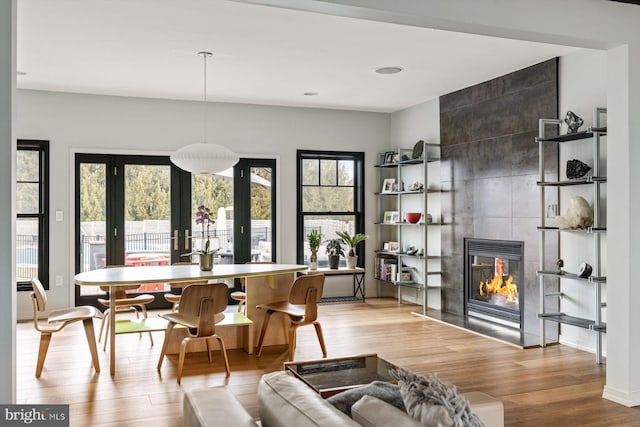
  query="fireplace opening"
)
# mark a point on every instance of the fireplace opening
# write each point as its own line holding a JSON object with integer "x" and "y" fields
{"x": 493, "y": 275}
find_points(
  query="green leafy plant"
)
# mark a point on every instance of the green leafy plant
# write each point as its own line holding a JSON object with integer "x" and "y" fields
{"x": 334, "y": 247}
{"x": 352, "y": 240}
{"x": 314, "y": 238}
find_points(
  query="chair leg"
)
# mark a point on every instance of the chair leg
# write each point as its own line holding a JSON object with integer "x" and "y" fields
{"x": 242, "y": 304}
{"x": 45, "y": 339}
{"x": 208, "y": 341}
{"x": 91, "y": 339}
{"x": 167, "y": 335}
{"x": 320, "y": 338}
{"x": 265, "y": 323}
{"x": 144, "y": 314}
{"x": 224, "y": 354}
{"x": 292, "y": 341}
{"x": 104, "y": 317}
{"x": 106, "y": 330}
{"x": 183, "y": 349}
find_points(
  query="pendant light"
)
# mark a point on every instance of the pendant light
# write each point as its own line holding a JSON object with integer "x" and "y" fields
{"x": 204, "y": 158}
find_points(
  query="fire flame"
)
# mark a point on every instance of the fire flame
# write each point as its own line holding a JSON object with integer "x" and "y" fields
{"x": 498, "y": 286}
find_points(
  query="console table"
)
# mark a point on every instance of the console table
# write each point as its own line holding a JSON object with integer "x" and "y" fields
{"x": 358, "y": 282}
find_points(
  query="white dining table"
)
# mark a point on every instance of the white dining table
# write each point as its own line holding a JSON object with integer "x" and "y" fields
{"x": 174, "y": 274}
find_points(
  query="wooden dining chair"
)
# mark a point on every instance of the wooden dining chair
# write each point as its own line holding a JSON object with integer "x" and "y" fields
{"x": 57, "y": 320}
{"x": 201, "y": 307}
{"x": 301, "y": 309}
{"x": 124, "y": 303}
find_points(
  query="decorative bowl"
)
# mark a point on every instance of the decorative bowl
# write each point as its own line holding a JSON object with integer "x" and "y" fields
{"x": 412, "y": 217}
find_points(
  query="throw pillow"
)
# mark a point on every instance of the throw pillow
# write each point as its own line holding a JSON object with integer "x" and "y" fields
{"x": 387, "y": 392}
{"x": 432, "y": 402}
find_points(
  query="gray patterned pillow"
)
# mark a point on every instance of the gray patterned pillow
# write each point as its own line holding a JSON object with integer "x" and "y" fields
{"x": 432, "y": 402}
{"x": 388, "y": 392}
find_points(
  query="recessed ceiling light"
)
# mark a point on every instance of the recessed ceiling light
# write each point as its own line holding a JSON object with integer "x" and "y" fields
{"x": 389, "y": 70}
{"x": 310, "y": 93}
{"x": 21, "y": 73}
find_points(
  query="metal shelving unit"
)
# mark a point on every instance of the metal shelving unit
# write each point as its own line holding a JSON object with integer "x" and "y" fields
{"x": 597, "y": 280}
{"x": 424, "y": 269}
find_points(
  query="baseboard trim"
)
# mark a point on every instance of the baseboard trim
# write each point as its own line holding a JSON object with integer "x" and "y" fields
{"x": 622, "y": 397}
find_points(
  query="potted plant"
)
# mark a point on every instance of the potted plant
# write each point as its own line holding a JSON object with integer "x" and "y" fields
{"x": 352, "y": 241}
{"x": 203, "y": 217}
{"x": 334, "y": 250}
{"x": 314, "y": 238}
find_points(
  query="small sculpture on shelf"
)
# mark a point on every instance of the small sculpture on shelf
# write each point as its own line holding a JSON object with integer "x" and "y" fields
{"x": 560, "y": 264}
{"x": 579, "y": 215}
{"x": 584, "y": 270}
{"x": 577, "y": 169}
{"x": 573, "y": 122}
{"x": 416, "y": 186}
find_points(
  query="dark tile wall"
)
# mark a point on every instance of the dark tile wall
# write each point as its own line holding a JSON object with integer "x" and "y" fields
{"x": 489, "y": 172}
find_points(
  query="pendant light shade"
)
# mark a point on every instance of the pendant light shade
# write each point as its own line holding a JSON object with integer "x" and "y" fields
{"x": 204, "y": 158}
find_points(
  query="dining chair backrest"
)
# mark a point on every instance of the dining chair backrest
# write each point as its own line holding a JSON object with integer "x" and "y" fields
{"x": 307, "y": 290}
{"x": 39, "y": 296}
{"x": 190, "y": 303}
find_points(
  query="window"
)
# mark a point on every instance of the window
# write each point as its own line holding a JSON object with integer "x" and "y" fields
{"x": 32, "y": 207}
{"x": 330, "y": 198}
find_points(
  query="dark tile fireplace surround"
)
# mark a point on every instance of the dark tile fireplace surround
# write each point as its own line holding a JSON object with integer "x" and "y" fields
{"x": 489, "y": 171}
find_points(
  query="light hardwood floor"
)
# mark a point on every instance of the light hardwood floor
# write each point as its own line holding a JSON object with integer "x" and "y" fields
{"x": 555, "y": 386}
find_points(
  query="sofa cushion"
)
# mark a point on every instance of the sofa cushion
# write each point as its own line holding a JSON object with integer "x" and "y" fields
{"x": 373, "y": 412}
{"x": 214, "y": 406}
{"x": 384, "y": 391}
{"x": 286, "y": 401}
{"x": 432, "y": 402}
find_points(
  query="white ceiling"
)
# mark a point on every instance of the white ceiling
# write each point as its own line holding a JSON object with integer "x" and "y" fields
{"x": 262, "y": 55}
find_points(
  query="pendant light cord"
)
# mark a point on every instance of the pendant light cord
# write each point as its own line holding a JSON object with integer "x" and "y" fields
{"x": 205, "y": 55}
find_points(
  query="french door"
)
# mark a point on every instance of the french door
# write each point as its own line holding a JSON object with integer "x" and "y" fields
{"x": 140, "y": 210}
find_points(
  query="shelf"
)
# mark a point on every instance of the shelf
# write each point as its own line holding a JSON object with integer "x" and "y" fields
{"x": 590, "y": 230}
{"x": 599, "y": 130}
{"x": 579, "y": 181}
{"x": 567, "y": 137}
{"x": 592, "y": 279}
{"x": 574, "y": 321}
{"x": 404, "y": 254}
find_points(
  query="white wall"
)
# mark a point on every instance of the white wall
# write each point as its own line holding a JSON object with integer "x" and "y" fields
{"x": 7, "y": 208}
{"x": 76, "y": 123}
{"x": 420, "y": 122}
{"x": 582, "y": 86}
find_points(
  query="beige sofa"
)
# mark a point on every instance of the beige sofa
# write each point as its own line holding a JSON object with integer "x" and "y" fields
{"x": 286, "y": 401}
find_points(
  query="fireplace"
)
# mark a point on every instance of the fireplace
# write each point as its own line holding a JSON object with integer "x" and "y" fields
{"x": 494, "y": 281}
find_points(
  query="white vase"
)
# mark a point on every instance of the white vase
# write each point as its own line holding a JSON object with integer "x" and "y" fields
{"x": 313, "y": 265}
{"x": 352, "y": 261}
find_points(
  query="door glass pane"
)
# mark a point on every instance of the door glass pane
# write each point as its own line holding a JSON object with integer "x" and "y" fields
{"x": 147, "y": 219}
{"x": 261, "y": 214}
{"x": 216, "y": 194}
{"x": 26, "y": 249}
{"x": 92, "y": 199}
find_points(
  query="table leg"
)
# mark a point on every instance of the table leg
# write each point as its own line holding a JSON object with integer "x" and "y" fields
{"x": 112, "y": 331}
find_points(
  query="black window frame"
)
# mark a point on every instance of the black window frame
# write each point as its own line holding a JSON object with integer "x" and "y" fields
{"x": 358, "y": 184}
{"x": 42, "y": 147}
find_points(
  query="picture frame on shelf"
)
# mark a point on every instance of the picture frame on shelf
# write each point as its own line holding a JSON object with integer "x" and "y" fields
{"x": 388, "y": 185}
{"x": 394, "y": 246}
{"x": 385, "y": 246}
{"x": 388, "y": 157}
{"x": 391, "y": 217}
